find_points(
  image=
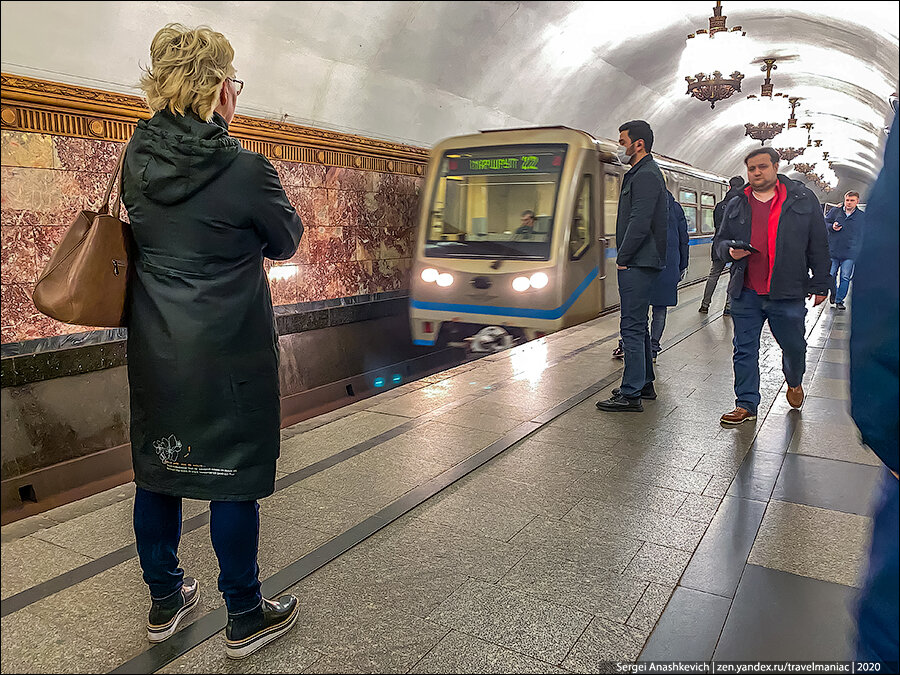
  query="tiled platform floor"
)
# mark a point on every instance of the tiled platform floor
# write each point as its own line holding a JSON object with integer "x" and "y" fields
{"x": 596, "y": 537}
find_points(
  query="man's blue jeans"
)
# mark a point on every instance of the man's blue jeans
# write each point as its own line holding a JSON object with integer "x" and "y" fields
{"x": 635, "y": 284}
{"x": 234, "y": 529}
{"x": 845, "y": 266}
{"x": 786, "y": 319}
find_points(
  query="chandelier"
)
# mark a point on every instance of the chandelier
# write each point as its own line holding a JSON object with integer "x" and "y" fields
{"x": 793, "y": 142}
{"x": 718, "y": 51}
{"x": 767, "y": 108}
{"x": 804, "y": 167}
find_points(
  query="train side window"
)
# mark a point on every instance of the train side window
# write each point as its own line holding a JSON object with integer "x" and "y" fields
{"x": 707, "y": 199}
{"x": 690, "y": 212}
{"x": 580, "y": 232}
{"x": 687, "y": 197}
{"x": 610, "y": 202}
{"x": 707, "y": 225}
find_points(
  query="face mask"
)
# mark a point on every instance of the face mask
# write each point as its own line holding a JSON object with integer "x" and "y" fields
{"x": 622, "y": 154}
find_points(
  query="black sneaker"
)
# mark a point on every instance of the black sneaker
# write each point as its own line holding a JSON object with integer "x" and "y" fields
{"x": 247, "y": 633}
{"x": 726, "y": 312}
{"x": 618, "y": 403}
{"x": 166, "y": 614}
{"x": 840, "y": 305}
{"x": 703, "y": 310}
{"x": 648, "y": 393}
{"x": 618, "y": 352}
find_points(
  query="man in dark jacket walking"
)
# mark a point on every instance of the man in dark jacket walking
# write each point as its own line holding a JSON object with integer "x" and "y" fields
{"x": 641, "y": 244}
{"x": 845, "y": 231}
{"x": 202, "y": 347}
{"x": 665, "y": 290}
{"x": 736, "y": 185}
{"x": 780, "y": 219}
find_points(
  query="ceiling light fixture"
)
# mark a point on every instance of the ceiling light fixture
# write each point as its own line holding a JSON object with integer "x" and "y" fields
{"x": 711, "y": 52}
{"x": 767, "y": 108}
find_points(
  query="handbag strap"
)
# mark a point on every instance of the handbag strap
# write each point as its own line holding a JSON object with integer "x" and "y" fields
{"x": 118, "y": 173}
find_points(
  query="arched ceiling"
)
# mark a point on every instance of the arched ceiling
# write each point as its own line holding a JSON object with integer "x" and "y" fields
{"x": 418, "y": 72}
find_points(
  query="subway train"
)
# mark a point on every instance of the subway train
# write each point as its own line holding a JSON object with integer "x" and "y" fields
{"x": 517, "y": 233}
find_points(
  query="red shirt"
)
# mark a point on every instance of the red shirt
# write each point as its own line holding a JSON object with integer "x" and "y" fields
{"x": 756, "y": 278}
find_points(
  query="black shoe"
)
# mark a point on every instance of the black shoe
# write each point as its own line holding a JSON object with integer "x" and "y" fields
{"x": 618, "y": 352}
{"x": 703, "y": 310}
{"x": 166, "y": 614}
{"x": 831, "y": 300}
{"x": 726, "y": 312}
{"x": 648, "y": 393}
{"x": 618, "y": 403}
{"x": 247, "y": 633}
{"x": 840, "y": 305}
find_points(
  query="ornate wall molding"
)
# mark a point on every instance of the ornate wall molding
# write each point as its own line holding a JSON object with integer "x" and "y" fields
{"x": 40, "y": 106}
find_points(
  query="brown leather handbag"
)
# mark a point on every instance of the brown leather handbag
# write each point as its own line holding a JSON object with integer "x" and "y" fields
{"x": 85, "y": 280}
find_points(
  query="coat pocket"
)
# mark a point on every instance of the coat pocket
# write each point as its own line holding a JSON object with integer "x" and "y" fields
{"x": 254, "y": 392}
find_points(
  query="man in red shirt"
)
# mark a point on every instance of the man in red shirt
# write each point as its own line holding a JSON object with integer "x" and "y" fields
{"x": 781, "y": 221}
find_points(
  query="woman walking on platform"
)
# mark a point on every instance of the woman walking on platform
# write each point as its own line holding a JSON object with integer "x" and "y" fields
{"x": 202, "y": 347}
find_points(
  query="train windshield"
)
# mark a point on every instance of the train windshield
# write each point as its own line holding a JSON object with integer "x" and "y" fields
{"x": 496, "y": 202}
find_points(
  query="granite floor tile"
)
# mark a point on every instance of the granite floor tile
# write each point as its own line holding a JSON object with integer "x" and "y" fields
{"x": 30, "y": 561}
{"x": 421, "y": 541}
{"x": 719, "y": 560}
{"x": 579, "y": 584}
{"x": 605, "y": 488}
{"x": 699, "y": 508}
{"x": 95, "y": 534}
{"x": 688, "y": 628}
{"x": 537, "y": 499}
{"x": 756, "y": 477}
{"x": 659, "y": 564}
{"x": 435, "y": 442}
{"x": 649, "y": 526}
{"x": 650, "y": 607}
{"x": 315, "y": 510}
{"x": 813, "y": 542}
{"x": 461, "y": 653}
{"x": 831, "y": 441}
{"x": 663, "y": 476}
{"x": 717, "y": 486}
{"x": 481, "y": 421}
{"x": 540, "y": 452}
{"x": 209, "y": 657}
{"x": 778, "y": 616}
{"x": 536, "y": 473}
{"x": 514, "y": 620}
{"x": 828, "y": 484}
{"x": 474, "y": 517}
{"x": 829, "y": 388}
{"x": 556, "y": 538}
{"x": 577, "y": 442}
{"x": 602, "y": 644}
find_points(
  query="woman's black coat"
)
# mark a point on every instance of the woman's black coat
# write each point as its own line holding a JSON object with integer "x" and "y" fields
{"x": 202, "y": 347}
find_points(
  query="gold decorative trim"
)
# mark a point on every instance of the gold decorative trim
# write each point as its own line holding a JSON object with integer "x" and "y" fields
{"x": 45, "y": 107}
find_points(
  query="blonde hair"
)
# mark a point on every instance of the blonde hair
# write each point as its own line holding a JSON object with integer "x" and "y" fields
{"x": 187, "y": 70}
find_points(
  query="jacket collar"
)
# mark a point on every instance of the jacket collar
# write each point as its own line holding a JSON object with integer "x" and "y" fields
{"x": 644, "y": 160}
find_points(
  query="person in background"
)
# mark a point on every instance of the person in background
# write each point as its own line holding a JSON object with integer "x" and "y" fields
{"x": 641, "y": 244}
{"x": 526, "y": 228}
{"x": 780, "y": 219}
{"x": 202, "y": 346}
{"x": 735, "y": 186}
{"x": 845, "y": 227}
{"x": 875, "y": 401}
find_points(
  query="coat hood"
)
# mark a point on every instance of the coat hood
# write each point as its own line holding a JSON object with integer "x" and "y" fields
{"x": 175, "y": 156}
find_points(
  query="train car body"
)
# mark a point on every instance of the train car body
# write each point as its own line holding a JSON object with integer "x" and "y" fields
{"x": 516, "y": 233}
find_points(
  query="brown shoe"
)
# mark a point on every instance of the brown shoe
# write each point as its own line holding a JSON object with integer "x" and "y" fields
{"x": 795, "y": 396}
{"x": 737, "y": 416}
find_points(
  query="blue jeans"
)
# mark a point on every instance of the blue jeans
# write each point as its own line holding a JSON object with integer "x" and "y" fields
{"x": 234, "y": 529}
{"x": 657, "y": 326}
{"x": 749, "y": 312}
{"x": 877, "y": 612}
{"x": 635, "y": 284}
{"x": 845, "y": 265}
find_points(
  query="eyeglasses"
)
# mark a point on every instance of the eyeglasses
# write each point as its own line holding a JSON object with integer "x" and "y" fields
{"x": 238, "y": 85}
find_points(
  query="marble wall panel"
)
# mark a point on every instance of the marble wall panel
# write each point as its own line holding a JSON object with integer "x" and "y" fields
{"x": 358, "y": 240}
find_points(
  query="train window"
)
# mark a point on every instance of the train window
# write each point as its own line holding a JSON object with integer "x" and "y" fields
{"x": 610, "y": 202}
{"x": 706, "y": 223}
{"x": 580, "y": 233}
{"x": 690, "y": 212}
{"x": 495, "y": 202}
{"x": 687, "y": 197}
{"x": 707, "y": 199}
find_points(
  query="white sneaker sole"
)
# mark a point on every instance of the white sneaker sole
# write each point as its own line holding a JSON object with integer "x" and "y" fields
{"x": 256, "y": 642}
{"x": 734, "y": 424}
{"x": 162, "y": 633}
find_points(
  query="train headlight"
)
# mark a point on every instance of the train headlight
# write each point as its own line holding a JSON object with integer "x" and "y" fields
{"x": 539, "y": 280}
{"x": 444, "y": 280}
{"x": 429, "y": 274}
{"x": 521, "y": 284}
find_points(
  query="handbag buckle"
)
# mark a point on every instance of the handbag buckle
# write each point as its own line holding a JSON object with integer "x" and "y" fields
{"x": 116, "y": 264}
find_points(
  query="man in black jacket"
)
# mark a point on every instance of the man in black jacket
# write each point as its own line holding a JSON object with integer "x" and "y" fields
{"x": 781, "y": 220}
{"x": 736, "y": 184}
{"x": 641, "y": 243}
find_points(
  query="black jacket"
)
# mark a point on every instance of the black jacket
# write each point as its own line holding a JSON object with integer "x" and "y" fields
{"x": 641, "y": 220}
{"x": 719, "y": 213}
{"x": 202, "y": 348}
{"x": 800, "y": 247}
{"x": 845, "y": 243}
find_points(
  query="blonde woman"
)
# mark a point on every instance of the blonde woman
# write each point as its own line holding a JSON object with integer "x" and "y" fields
{"x": 202, "y": 347}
